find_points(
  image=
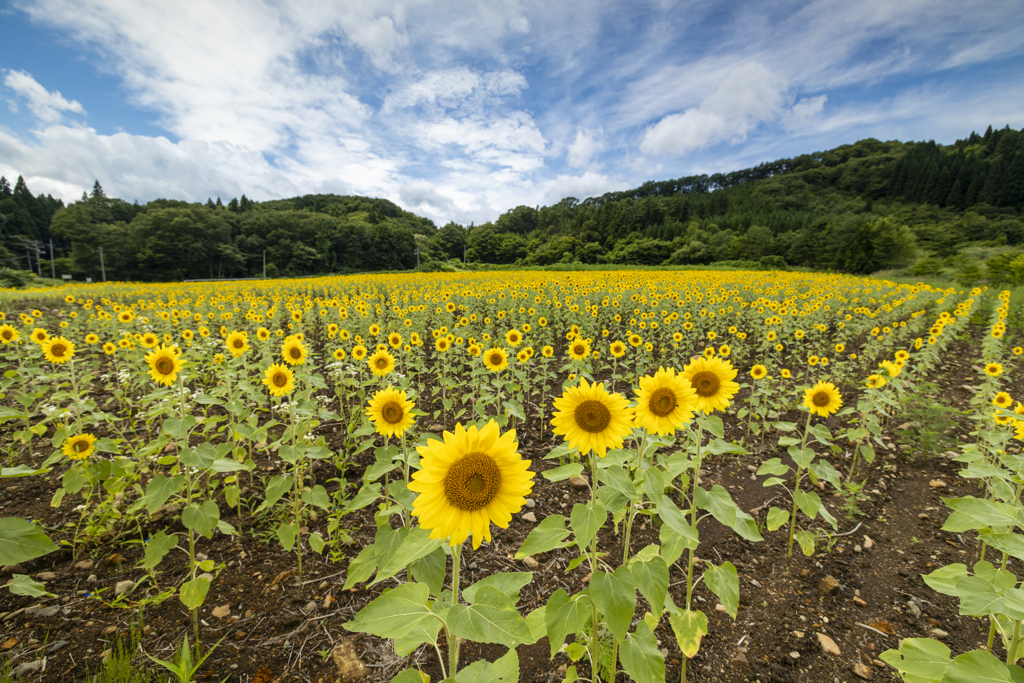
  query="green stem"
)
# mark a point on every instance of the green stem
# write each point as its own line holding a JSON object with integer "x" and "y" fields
{"x": 1011, "y": 652}
{"x": 297, "y": 494}
{"x": 74, "y": 386}
{"x": 453, "y": 640}
{"x": 693, "y": 520}
{"x": 796, "y": 487}
{"x": 593, "y": 567}
{"x": 188, "y": 501}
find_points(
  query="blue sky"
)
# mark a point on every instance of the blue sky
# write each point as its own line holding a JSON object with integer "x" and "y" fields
{"x": 462, "y": 110}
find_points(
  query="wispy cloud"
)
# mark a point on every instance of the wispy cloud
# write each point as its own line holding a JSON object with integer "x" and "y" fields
{"x": 47, "y": 106}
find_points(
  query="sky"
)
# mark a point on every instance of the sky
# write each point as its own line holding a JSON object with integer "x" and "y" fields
{"x": 462, "y": 110}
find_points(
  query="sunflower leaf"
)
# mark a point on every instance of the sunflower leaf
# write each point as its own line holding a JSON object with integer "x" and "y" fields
{"x": 565, "y": 614}
{"x": 724, "y": 582}
{"x": 508, "y": 583}
{"x": 641, "y": 658}
{"x": 549, "y": 535}
{"x": 415, "y": 544}
{"x": 615, "y": 595}
{"x": 492, "y": 618}
{"x": 398, "y": 612}
{"x": 651, "y": 577}
{"x": 573, "y": 469}
{"x": 504, "y": 670}
{"x": 586, "y": 521}
{"x": 21, "y": 540}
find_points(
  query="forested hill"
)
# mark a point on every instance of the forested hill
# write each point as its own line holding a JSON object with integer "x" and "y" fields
{"x": 857, "y": 208}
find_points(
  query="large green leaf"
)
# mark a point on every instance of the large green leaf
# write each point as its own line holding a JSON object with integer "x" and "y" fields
{"x": 159, "y": 489}
{"x": 22, "y": 584}
{"x": 1011, "y": 544}
{"x": 201, "y": 518}
{"x": 492, "y": 618}
{"x": 277, "y": 487}
{"x": 549, "y": 535}
{"x": 157, "y": 547}
{"x": 719, "y": 503}
{"x": 504, "y": 670}
{"x": 573, "y": 469}
{"x": 977, "y": 666}
{"x": 641, "y": 657}
{"x": 508, "y": 583}
{"x": 651, "y": 578}
{"x": 586, "y": 521}
{"x": 777, "y": 518}
{"x": 193, "y": 593}
{"x": 971, "y": 513}
{"x": 943, "y": 580}
{"x": 431, "y": 570}
{"x": 690, "y": 627}
{"x": 615, "y": 595}
{"x": 565, "y": 614}
{"x": 415, "y": 545}
{"x": 617, "y": 479}
{"x": 923, "y": 658}
{"x": 724, "y": 582}
{"x": 362, "y": 567}
{"x": 397, "y": 612}
{"x": 979, "y": 597}
{"x": 21, "y": 541}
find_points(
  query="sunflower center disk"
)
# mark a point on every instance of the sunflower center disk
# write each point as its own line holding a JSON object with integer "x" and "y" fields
{"x": 662, "y": 402}
{"x": 81, "y": 446}
{"x": 164, "y": 366}
{"x": 392, "y": 412}
{"x": 57, "y": 350}
{"x": 280, "y": 379}
{"x": 472, "y": 482}
{"x": 821, "y": 399}
{"x": 496, "y": 359}
{"x": 592, "y": 416}
{"x": 382, "y": 363}
{"x": 295, "y": 353}
{"x": 706, "y": 383}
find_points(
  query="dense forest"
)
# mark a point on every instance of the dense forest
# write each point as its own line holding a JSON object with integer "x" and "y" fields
{"x": 857, "y": 208}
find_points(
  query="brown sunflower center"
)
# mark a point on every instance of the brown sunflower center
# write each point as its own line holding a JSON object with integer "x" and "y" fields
{"x": 7, "y": 334}
{"x": 706, "y": 383}
{"x": 382, "y": 363}
{"x": 662, "y": 402}
{"x": 592, "y": 416}
{"x": 164, "y": 366}
{"x": 472, "y": 482}
{"x": 238, "y": 343}
{"x": 58, "y": 350}
{"x": 821, "y": 399}
{"x": 392, "y": 412}
{"x": 496, "y": 359}
{"x": 280, "y": 379}
{"x": 80, "y": 446}
{"x": 579, "y": 349}
{"x": 295, "y": 352}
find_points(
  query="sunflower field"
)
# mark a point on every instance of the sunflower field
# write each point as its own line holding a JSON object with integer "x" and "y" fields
{"x": 647, "y": 476}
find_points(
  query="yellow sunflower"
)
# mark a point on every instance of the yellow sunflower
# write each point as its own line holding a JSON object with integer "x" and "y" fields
{"x": 513, "y": 337}
{"x": 263, "y": 334}
{"x": 665, "y": 402}
{"x": 712, "y": 379}
{"x": 39, "y": 335}
{"x": 758, "y": 372}
{"x": 547, "y": 351}
{"x": 8, "y": 334}
{"x": 358, "y": 352}
{"x": 495, "y": 359}
{"x": 579, "y": 349}
{"x": 79, "y": 447}
{"x": 875, "y": 381}
{"x": 617, "y": 349}
{"x": 394, "y": 340}
{"x": 391, "y": 412}
{"x": 149, "y": 340}
{"x": 279, "y": 380}
{"x": 993, "y": 369}
{"x": 1002, "y": 400}
{"x": 339, "y": 354}
{"x": 469, "y": 480}
{"x": 237, "y": 343}
{"x": 164, "y": 365}
{"x": 110, "y": 348}
{"x": 91, "y": 338}
{"x": 442, "y": 344}
{"x": 58, "y": 350}
{"x": 293, "y": 351}
{"x": 591, "y": 419}
{"x": 381, "y": 363}
{"x": 823, "y": 399}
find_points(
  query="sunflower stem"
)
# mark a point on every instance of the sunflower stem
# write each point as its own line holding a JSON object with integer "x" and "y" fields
{"x": 406, "y": 518}
{"x": 188, "y": 501}
{"x": 296, "y": 496}
{"x": 796, "y": 487}
{"x": 74, "y": 386}
{"x": 453, "y": 640}
{"x": 693, "y": 518}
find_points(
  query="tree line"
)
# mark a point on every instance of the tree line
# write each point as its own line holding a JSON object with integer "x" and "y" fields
{"x": 856, "y": 208}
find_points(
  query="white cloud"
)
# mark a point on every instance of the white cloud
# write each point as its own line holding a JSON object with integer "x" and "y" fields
{"x": 587, "y": 185}
{"x": 584, "y": 147}
{"x": 47, "y": 106}
{"x": 748, "y": 95}
{"x": 513, "y": 141}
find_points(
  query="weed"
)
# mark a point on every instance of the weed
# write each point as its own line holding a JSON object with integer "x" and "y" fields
{"x": 119, "y": 667}
{"x": 929, "y": 424}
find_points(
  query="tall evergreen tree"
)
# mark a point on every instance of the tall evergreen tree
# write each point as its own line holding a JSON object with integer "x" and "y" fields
{"x": 97, "y": 190}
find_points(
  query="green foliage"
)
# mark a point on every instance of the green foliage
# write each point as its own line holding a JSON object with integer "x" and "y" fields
{"x": 928, "y": 422}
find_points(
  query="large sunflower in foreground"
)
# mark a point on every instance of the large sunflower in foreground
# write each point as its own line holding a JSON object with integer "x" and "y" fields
{"x": 58, "y": 350}
{"x": 390, "y": 411}
{"x": 823, "y": 399}
{"x": 665, "y": 402}
{"x": 293, "y": 351}
{"x": 279, "y": 380}
{"x": 79, "y": 447}
{"x": 495, "y": 359}
{"x": 591, "y": 419}
{"x": 164, "y": 365}
{"x": 469, "y": 480}
{"x": 381, "y": 363}
{"x": 711, "y": 378}
{"x": 8, "y": 334}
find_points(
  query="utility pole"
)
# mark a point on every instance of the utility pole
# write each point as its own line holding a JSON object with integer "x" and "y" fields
{"x": 103, "y": 268}
{"x": 39, "y": 264}
{"x": 53, "y": 268}
{"x": 264, "y": 264}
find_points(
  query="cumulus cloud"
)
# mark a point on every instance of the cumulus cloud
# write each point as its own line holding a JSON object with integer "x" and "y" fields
{"x": 582, "y": 186}
{"x": 47, "y": 106}
{"x": 749, "y": 94}
{"x": 584, "y": 147}
{"x": 513, "y": 141}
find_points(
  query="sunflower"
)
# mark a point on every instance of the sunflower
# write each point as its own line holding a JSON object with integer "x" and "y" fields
{"x": 149, "y": 340}
{"x": 293, "y": 351}
{"x": 591, "y": 419}
{"x": 758, "y": 372}
{"x": 474, "y": 350}
{"x": 1002, "y": 400}
{"x": 635, "y": 340}
{"x": 110, "y": 348}
{"x": 1018, "y": 350}
{"x": 374, "y": 329}
{"x": 125, "y": 316}
{"x": 237, "y": 343}
{"x": 579, "y": 349}
{"x": 58, "y": 350}
{"x": 823, "y": 399}
{"x": 394, "y": 340}
{"x": 164, "y": 365}
{"x": 8, "y": 334}
{"x": 91, "y": 338}
{"x": 472, "y": 478}
{"x": 875, "y": 381}
{"x": 523, "y": 356}
{"x": 513, "y": 337}
{"x": 381, "y": 363}
{"x": 665, "y": 402}
{"x": 547, "y": 351}
{"x": 39, "y": 335}
{"x": 358, "y": 352}
{"x": 892, "y": 368}
{"x": 79, "y": 447}
{"x": 442, "y": 344}
{"x": 785, "y": 373}
{"x": 279, "y": 380}
{"x": 993, "y": 369}
{"x": 391, "y": 412}
{"x": 712, "y": 379}
{"x": 495, "y": 359}
{"x": 339, "y": 354}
